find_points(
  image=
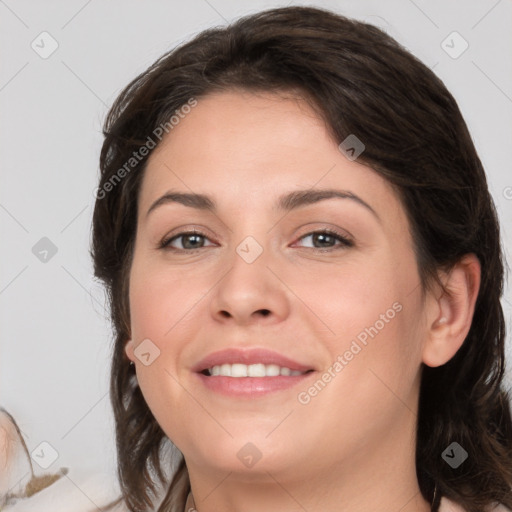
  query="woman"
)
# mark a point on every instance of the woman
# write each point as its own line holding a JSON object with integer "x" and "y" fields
{"x": 304, "y": 269}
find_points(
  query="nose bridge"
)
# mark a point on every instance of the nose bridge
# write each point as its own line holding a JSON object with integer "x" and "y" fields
{"x": 255, "y": 242}
{"x": 249, "y": 261}
{"x": 251, "y": 233}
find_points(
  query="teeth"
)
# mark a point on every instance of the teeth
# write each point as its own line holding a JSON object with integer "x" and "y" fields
{"x": 252, "y": 370}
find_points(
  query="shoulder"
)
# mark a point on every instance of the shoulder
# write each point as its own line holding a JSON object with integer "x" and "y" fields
{"x": 447, "y": 505}
{"x": 499, "y": 508}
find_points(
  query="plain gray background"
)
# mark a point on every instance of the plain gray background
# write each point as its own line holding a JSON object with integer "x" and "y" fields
{"x": 55, "y": 332}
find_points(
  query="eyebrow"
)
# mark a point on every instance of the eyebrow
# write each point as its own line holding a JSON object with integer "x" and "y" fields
{"x": 287, "y": 202}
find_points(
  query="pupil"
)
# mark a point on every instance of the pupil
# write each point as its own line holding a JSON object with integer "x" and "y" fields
{"x": 188, "y": 237}
{"x": 322, "y": 236}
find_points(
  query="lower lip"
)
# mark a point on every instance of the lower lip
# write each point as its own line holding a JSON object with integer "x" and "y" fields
{"x": 251, "y": 387}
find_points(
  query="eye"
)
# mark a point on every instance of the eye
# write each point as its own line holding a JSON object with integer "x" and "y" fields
{"x": 327, "y": 237}
{"x": 191, "y": 240}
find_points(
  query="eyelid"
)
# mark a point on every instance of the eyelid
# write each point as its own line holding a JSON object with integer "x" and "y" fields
{"x": 315, "y": 227}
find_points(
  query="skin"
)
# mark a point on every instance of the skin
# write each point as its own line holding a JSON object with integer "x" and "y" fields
{"x": 351, "y": 447}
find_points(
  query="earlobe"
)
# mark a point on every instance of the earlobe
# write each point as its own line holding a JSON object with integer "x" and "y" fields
{"x": 450, "y": 315}
{"x": 128, "y": 348}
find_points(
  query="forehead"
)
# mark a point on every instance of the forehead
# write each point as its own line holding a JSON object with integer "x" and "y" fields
{"x": 242, "y": 126}
{"x": 250, "y": 148}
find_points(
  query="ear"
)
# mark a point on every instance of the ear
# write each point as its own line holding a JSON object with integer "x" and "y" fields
{"x": 450, "y": 313}
{"x": 128, "y": 348}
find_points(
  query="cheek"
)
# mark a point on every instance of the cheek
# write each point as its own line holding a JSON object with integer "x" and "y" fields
{"x": 372, "y": 370}
{"x": 367, "y": 311}
{"x": 162, "y": 307}
{"x": 347, "y": 298}
{"x": 160, "y": 299}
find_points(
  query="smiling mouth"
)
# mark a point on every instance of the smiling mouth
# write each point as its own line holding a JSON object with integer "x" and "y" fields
{"x": 260, "y": 370}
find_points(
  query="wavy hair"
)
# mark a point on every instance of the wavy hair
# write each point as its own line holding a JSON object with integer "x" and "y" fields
{"x": 360, "y": 81}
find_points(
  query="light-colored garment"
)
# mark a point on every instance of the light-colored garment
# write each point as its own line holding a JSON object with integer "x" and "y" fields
{"x": 189, "y": 504}
{"x": 95, "y": 491}
{"x": 447, "y": 505}
{"x": 77, "y": 491}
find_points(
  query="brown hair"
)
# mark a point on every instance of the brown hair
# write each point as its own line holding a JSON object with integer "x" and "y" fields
{"x": 361, "y": 81}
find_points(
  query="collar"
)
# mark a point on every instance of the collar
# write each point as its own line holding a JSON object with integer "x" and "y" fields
{"x": 190, "y": 506}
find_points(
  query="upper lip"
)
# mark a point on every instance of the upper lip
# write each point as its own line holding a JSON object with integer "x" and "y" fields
{"x": 248, "y": 356}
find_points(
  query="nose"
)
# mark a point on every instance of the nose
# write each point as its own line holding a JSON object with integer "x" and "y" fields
{"x": 250, "y": 293}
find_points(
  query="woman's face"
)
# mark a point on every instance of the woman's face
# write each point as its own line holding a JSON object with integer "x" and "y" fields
{"x": 256, "y": 276}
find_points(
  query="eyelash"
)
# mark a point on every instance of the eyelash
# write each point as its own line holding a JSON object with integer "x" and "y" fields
{"x": 345, "y": 242}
